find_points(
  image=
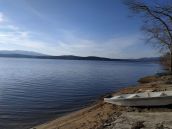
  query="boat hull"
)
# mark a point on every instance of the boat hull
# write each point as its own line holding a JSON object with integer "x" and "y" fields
{"x": 156, "y": 101}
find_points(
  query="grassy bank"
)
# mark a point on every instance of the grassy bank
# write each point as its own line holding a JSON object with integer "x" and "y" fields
{"x": 102, "y": 115}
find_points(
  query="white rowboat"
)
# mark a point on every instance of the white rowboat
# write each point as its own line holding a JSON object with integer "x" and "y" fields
{"x": 142, "y": 99}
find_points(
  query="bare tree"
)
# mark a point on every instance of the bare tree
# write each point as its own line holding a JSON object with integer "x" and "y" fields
{"x": 157, "y": 22}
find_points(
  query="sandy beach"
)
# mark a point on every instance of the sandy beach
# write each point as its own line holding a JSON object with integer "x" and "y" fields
{"x": 102, "y": 115}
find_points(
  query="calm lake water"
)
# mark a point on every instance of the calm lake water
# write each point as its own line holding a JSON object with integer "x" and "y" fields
{"x": 33, "y": 91}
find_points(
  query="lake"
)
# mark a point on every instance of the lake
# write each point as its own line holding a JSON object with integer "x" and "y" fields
{"x": 33, "y": 91}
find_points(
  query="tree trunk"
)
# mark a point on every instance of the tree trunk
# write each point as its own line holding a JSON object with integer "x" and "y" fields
{"x": 171, "y": 62}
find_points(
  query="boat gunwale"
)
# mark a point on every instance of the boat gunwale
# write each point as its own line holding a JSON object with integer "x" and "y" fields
{"x": 127, "y": 96}
{"x": 142, "y": 98}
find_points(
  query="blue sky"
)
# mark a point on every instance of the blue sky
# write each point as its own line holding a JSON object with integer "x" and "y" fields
{"x": 72, "y": 27}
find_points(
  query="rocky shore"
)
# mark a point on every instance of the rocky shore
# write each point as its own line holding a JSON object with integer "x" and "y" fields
{"x": 102, "y": 115}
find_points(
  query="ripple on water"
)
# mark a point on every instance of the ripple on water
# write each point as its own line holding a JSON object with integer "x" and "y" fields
{"x": 33, "y": 91}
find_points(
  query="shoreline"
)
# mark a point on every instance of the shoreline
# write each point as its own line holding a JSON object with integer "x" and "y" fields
{"x": 98, "y": 115}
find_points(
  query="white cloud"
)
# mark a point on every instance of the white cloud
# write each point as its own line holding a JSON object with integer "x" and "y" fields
{"x": 113, "y": 47}
{"x": 13, "y": 37}
{"x": 71, "y": 44}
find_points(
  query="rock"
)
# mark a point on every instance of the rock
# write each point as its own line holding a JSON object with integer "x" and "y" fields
{"x": 138, "y": 125}
{"x": 106, "y": 124}
{"x": 159, "y": 126}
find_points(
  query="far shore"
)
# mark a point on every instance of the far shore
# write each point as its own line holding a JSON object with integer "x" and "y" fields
{"x": 101, "y": 115}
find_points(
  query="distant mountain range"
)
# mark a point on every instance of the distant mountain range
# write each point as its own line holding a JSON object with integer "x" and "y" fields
{"x": 30, "y": 54}
{"x": 20, "y": 52}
